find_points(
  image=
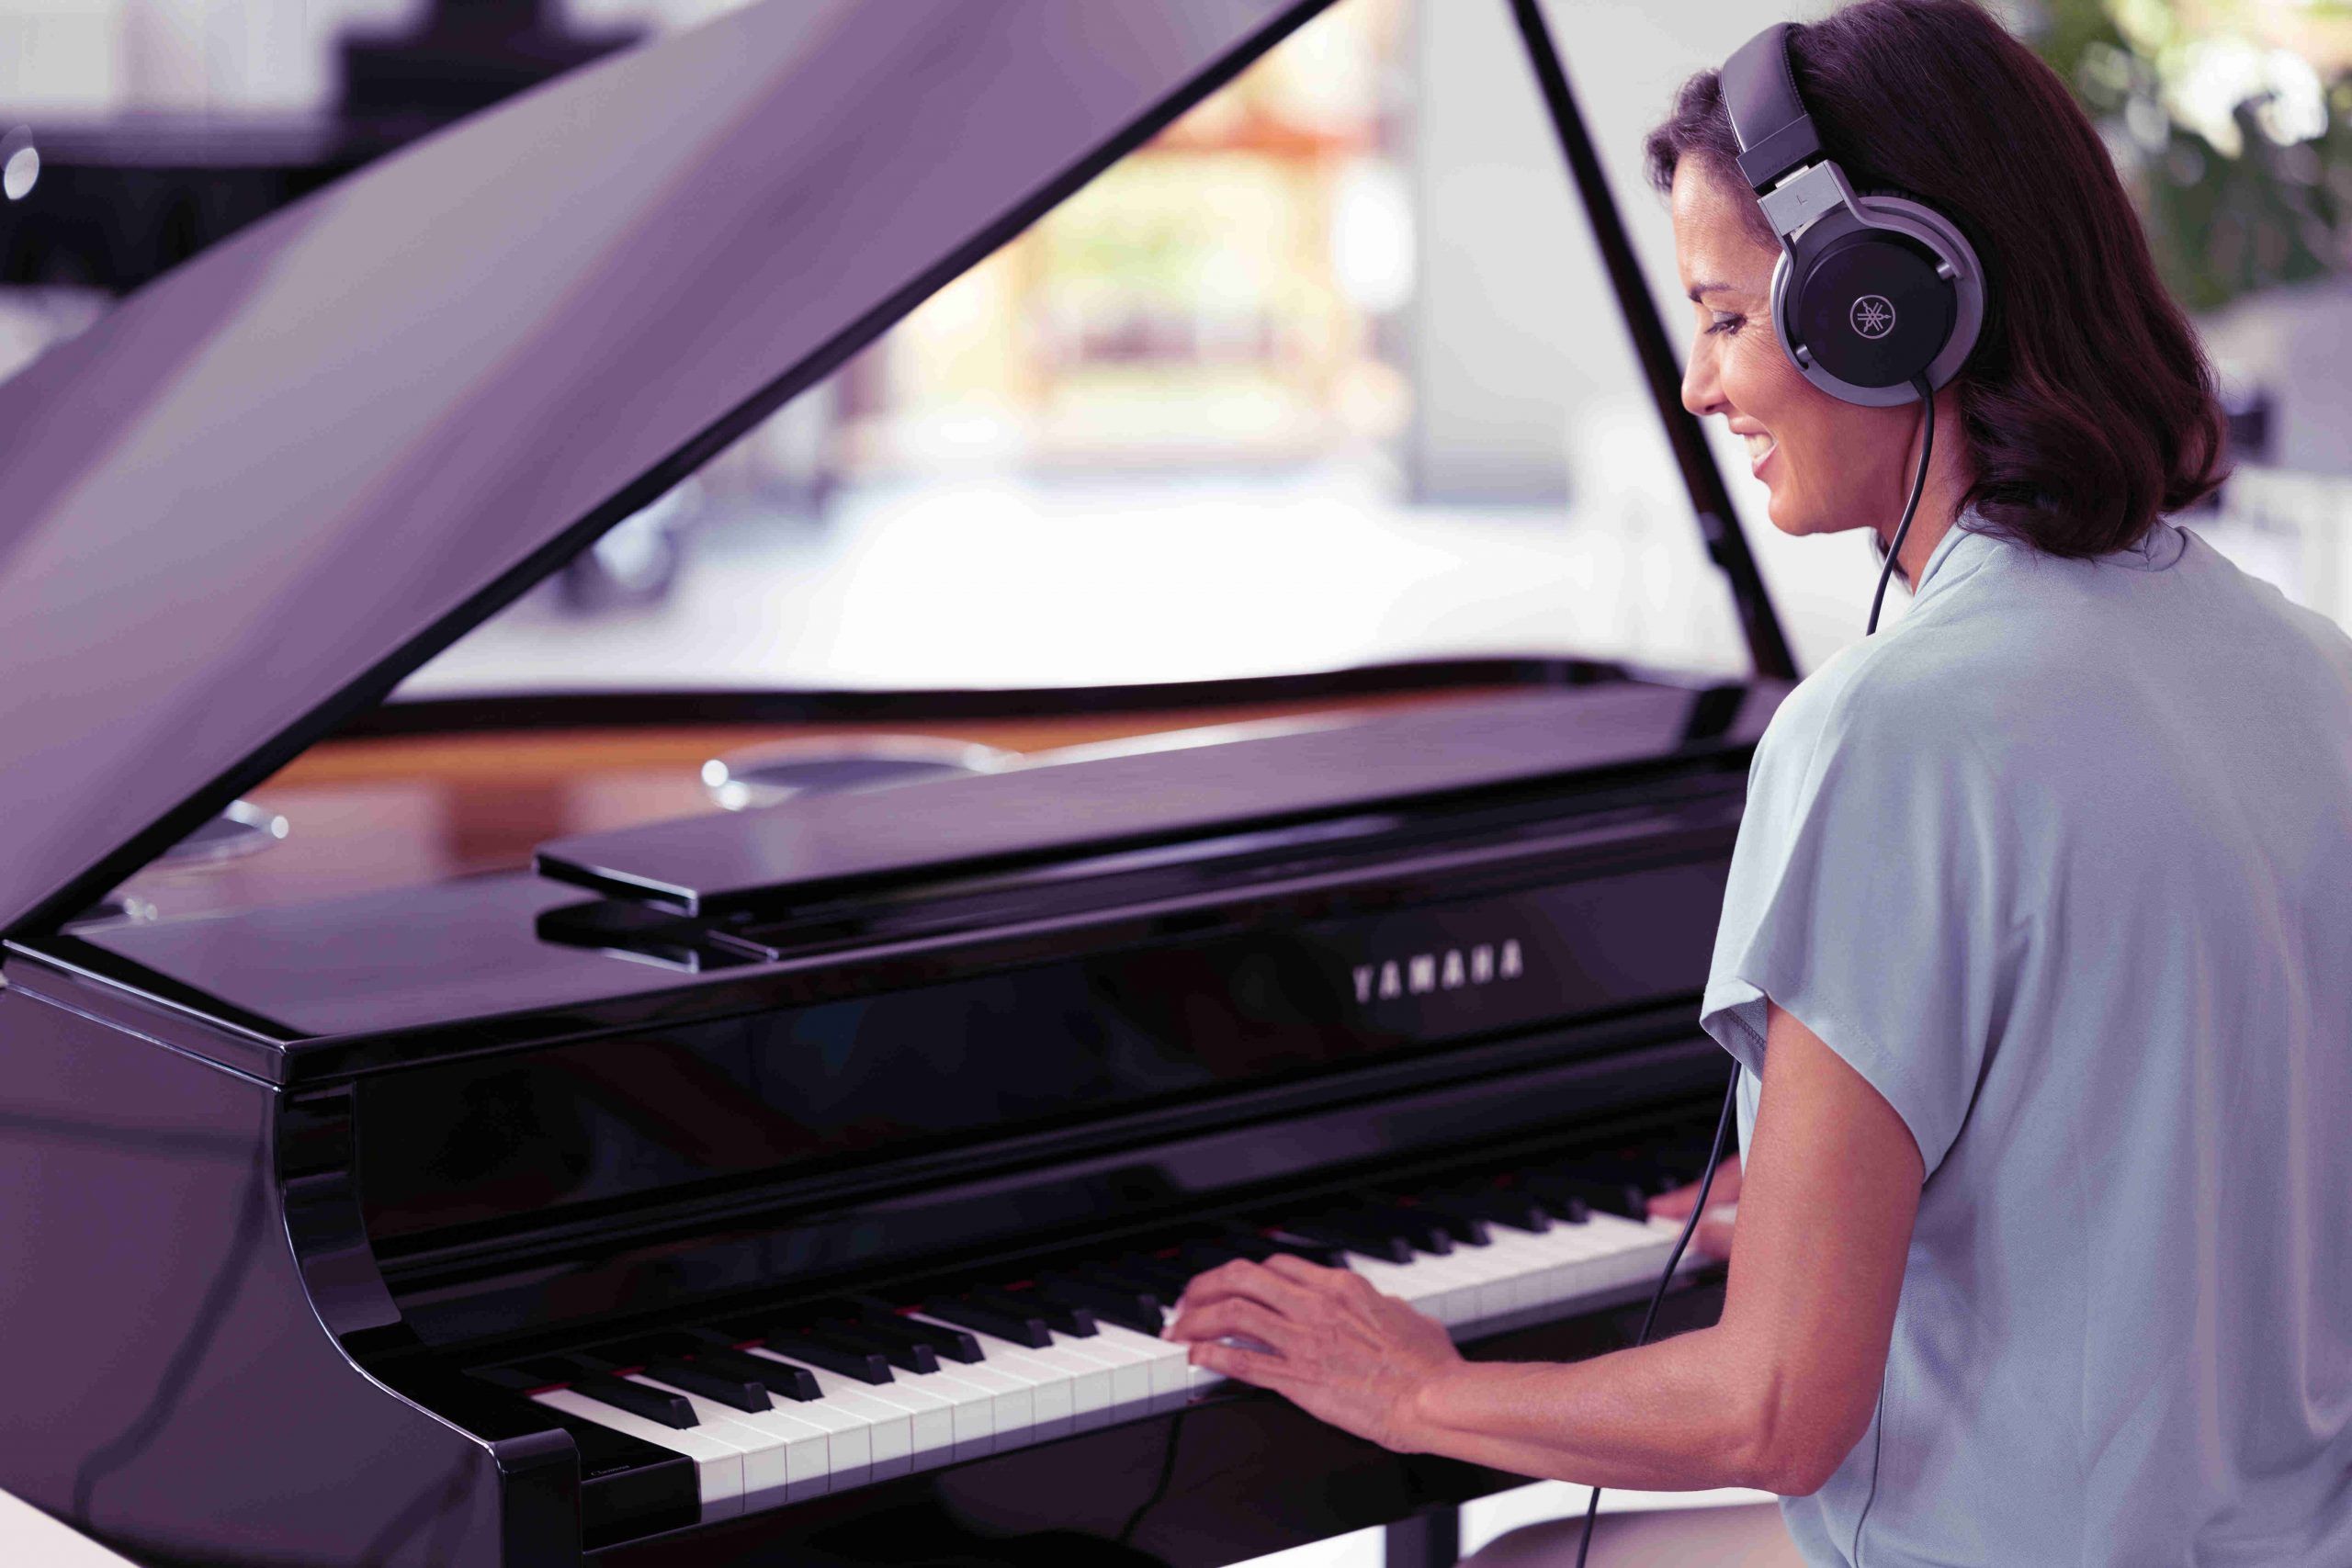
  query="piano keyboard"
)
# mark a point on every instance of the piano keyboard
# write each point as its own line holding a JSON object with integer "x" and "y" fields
{"x": 863, "y": 1390}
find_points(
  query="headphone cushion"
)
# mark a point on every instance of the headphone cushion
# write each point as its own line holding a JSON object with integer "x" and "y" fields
{"x": 1869, "y": 307}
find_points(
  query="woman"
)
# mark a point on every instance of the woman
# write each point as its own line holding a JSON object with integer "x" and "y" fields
{"x": 2037, "y": 950}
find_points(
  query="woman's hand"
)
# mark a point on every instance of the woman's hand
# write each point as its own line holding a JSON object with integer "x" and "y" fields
{"x": 1335, "y": 1346}
{"x": 1714, "y": 1234}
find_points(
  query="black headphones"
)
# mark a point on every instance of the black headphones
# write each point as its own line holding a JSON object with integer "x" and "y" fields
{"x": 1871, "y": 292}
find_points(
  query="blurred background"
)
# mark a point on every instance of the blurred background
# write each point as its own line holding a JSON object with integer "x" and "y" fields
{"x": 1326, "y": 375}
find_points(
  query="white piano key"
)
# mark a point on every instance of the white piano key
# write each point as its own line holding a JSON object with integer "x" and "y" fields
{"x": 1550, "y": 1268}
{"x": 718, "y": 1466}
{"x": 784, "y": 1459}
{"x": 1527, "y": 1267}
{"x": 885, "y": 1431}
{"x": 1441, "y": 1293}
{"x": 1459, "y": 1281}
{"x": 1490, "y": 1279}
{"x": 850, "y": 1448}
{"x": 1532, "y": 1267}
{"x": 1520, "y": 1275}
{"x": 983, "y": 1404}
{"x": 1126, "y": 1373}
{"x": 1604, "y": 1253}
{"x": 1640, "y": 1246}
{"x": 1089, "y": 1375}
{"x": 1454, "y": 1289}
{"x": 1196, "y": 1379}
{"x": 900, "y": 1422}
{"x": 1095, "y": 1380}
{"x": 1050, "y": 1405}
{"x": 1164, "y": 1359}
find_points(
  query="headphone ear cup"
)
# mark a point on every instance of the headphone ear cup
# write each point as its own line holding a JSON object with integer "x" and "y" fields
{"x": 1869, "y": 308}
{"x": 1876, "y": 293}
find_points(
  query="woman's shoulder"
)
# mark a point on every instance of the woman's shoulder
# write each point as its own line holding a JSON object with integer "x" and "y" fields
{"x": 1878, "y": 686}
{"x": 1910, "y": 699}
{"x": 1987, "y": 619}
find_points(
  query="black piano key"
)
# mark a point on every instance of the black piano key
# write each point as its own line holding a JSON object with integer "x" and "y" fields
{"x": 1559, "y": 1188}
{"x": 1329, "y": 1257}
{"x": 1165, "y": 1276}
{"x": 1062, "y": 1317}
{"x": 900, "y": 1334}
{"x": 1650, "y": 1177}
{"x": 1496, "y": 1205}
{"x": 1136, "y": 1310}
{"x": 1116, "y": 1276}
{"x": 1256, "y": 1248}
{"x": 901, "y": 1351}
{"x": 1015, "y": 1326}
{"x": 834, "y": 1355}
{"x": 1427, "y": 1231}
{"x": 792, "y": 1382}
{"x": 1466, "y": 1228}
{"x": 1354, "y": 1233}
{"x": 1200, "y": 1257}
{"x": 1571, "y": 1209}
{"x": 951, "y": 1343}
{"x": 655, "y": 1405}
{"x": 699, "y": 1377}
{"x": 1630, "y": 1198}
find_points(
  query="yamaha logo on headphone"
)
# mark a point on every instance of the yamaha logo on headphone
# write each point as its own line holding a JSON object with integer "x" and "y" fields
{"x": 1873, "y": 315}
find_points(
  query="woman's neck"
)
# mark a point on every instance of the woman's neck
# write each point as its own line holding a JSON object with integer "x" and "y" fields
{"x": 1949, "y": 477}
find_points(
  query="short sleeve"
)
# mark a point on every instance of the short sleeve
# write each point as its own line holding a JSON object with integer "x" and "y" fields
{"x": 1864, "y": 900}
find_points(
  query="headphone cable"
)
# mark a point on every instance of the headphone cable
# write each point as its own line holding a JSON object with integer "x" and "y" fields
{"x": 1918, "y": 483}
{"x": 1673, "y": 1261}
{"x": 1731, "y": 1093}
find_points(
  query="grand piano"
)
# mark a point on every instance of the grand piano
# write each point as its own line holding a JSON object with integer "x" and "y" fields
{"x": 803, "y": 1184}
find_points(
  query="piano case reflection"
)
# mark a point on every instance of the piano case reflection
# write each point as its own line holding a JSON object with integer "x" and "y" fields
{"x": 807, "y": 1184}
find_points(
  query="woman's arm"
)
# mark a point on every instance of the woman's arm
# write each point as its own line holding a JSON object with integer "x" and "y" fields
{"x": 1773, "y": 1395}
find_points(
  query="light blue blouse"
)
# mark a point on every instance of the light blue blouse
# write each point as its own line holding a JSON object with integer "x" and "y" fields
{"x": 2062, "y": 865}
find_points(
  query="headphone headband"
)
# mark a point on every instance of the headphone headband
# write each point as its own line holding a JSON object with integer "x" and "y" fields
{"x": 1768, "y": 114}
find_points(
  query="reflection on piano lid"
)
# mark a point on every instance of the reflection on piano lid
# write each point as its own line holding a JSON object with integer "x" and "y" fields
{"x": 806, "y": 1180}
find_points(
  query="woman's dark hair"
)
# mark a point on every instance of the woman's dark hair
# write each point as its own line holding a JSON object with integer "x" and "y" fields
{"x": 2089, "y": 403}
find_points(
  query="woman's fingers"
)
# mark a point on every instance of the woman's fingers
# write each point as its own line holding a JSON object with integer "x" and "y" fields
{"x": 1677, "y": 1204}
{"x": 1247, "y": 1366}
{"x": 1310, "y": 1276}
{"x": 1233, "y": 1316}
{"x": 1246, "y": 1280}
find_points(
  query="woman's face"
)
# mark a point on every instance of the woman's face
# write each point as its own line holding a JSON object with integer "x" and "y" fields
{"x": 1828, "y": 464}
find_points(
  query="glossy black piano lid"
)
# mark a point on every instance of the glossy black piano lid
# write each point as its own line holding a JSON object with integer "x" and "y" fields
{"x": 250, "y": 500}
